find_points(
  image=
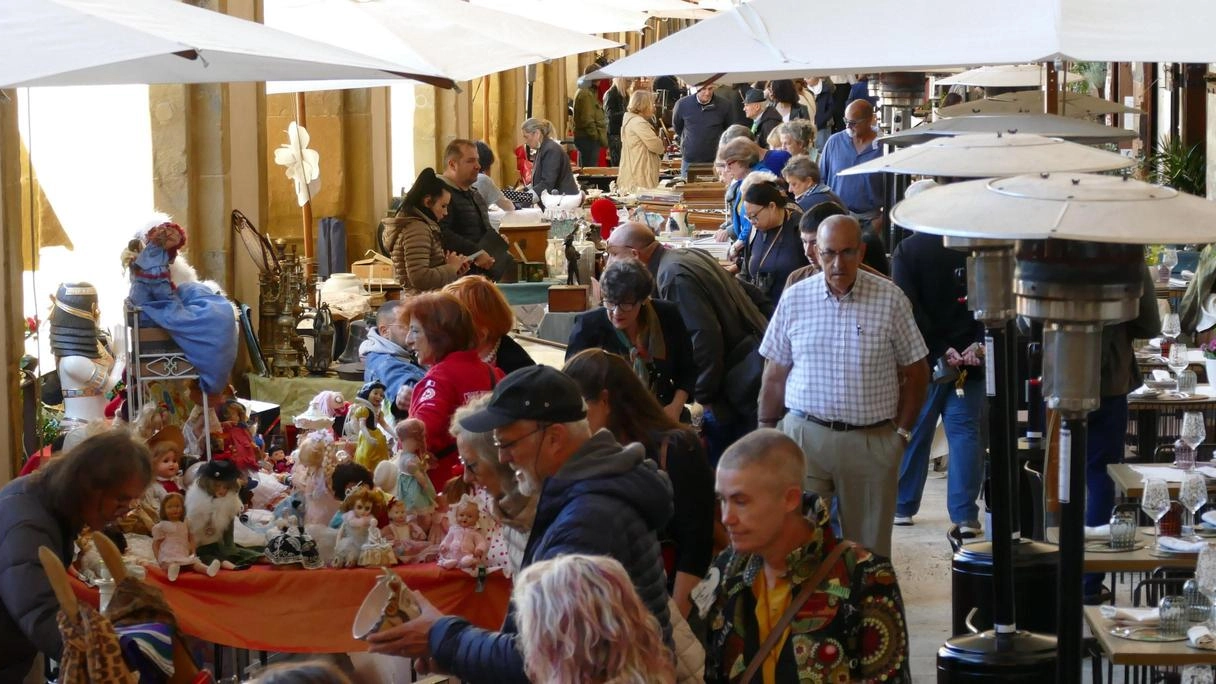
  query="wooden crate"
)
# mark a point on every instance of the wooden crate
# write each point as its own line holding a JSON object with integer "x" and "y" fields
{"x": 567, "y": 298}
{"x": 533, "y": 240}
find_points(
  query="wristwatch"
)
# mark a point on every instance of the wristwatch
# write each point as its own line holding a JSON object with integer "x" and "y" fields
{"x": 904, "y": 434}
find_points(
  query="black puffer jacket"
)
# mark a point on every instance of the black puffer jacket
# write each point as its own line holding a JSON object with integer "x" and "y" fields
{"x": 606, "y": 500}
{"x": 467, "y": 221}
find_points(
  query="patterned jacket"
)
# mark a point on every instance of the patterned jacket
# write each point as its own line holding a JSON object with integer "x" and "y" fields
{"x": 851, "y": 630}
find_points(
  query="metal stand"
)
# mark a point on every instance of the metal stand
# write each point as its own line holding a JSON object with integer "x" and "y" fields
{"x": 153, "y": 355}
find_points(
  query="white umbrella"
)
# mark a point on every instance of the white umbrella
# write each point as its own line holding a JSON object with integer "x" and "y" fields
{"x": 766, "y": 39}
{"x": 100, "y": 42}
{"x": 1076, "y": 105}
{"x": 449, "y": 37}
{"x": 1004, "y": 76}
{"x": 1047, "y": 125}
{"x": 583, "y": 16}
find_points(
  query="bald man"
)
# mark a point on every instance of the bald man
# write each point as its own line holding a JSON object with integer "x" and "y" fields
{"x": 779, "y": 539}
{"x": 845, "y": 377}
{"x": 723, "y": 320}
{"x": 856, "y": 144}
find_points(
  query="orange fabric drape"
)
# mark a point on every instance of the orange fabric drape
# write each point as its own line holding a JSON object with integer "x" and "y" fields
{"x": 308, "y": 611}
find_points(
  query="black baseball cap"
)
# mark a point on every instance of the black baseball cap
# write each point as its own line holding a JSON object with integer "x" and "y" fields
{"x": 753, "y": 96}
{"x": 540, "y": 393}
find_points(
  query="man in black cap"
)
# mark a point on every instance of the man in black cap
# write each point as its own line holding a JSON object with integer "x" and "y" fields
{"x": 764, "y": 117}
{"x": 596, "y": 497}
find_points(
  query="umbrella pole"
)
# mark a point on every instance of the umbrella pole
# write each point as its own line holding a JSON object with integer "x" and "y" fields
{"x": 306, "y": 210}
{"x": 1051, "y": 99}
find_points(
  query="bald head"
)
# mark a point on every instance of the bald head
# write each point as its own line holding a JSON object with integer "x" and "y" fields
{"x": 632, "y": 239}
{"x": 859, "y": 109}
{"x": 842, "y": 227}
{"x": 859, "y": 118}
{"x": 769, "y": 451}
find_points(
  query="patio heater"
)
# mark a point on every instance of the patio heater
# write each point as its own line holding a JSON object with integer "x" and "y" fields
{"x": 900, "y": 92}
{"x": 1079, "y": 267}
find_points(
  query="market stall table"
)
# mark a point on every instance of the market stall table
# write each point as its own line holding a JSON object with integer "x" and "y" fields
{"x": 293, "y": 394}
{"x": 1153, "y": 654}
{"x": 308, "y": 611}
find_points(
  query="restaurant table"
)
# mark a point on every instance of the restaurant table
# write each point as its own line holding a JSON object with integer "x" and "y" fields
{"x": 1121, "y": 651}
{"x": 294, "y": 610}
{"x": 1138, "y": 560}
{"x": 1148, "y": 411}
{"x": 1129, "y": 483}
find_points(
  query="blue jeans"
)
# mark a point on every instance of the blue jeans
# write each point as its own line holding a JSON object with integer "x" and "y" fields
{"x": 963, "y": 418}
{"x": 684, "y": 167}
{"x": 1107, "y": 427}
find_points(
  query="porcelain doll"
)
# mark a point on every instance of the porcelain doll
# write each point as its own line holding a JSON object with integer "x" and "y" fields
{"x": 166, "y": 462}
{"x": 277, "y": 462}
{"x": 172, "y": 543}
{"x": 365, "y": 420}
{"x": 413, "y": 485}
{"x": 410, "y": 541}
{"x": 464, "y": 546}
{"x": 311, "y": 478}
{"x": 238, "y": 442}
{"x": 148, "y": 261}
{"x": 212, "y": 506}
{"x": 357, "y": 520}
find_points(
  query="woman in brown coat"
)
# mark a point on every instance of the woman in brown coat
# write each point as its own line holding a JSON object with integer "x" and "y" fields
{"x": 413, "y": 240}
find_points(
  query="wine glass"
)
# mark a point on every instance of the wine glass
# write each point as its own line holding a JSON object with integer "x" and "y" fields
{"x": 1171, "y": 325}
{"x": 1192, "y": 495}
{"x": 1193, "y": 431}
{"x": 1177, "y": 361}
{"x": 1205, "y": 573}
{"x": 1169, "y": 258}
{"x": 1155, "y": 501}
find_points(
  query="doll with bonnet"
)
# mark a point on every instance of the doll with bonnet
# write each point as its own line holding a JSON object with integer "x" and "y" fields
{"x": 311, "y": 477}
{"x": 464, "y": 546}
{"x": 212, "y": 506}
{"x": 365, "y": 420}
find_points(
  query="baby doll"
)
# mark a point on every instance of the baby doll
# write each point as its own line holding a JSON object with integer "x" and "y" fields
{"x": 413, "y": 485}
{"x": 276, "y": 461}
{"x": 238, "y": 442}
{"x": 365, "y": 419}
{"x": 172, "y": 543}
{"x": 310, "y": 477}
{"x": 212, "y": 505}
{"x": 166, "y": 459}
{"x": 357, "y": 519}
{"x": 464, "y": 546}
{"x": 410, "y": 541}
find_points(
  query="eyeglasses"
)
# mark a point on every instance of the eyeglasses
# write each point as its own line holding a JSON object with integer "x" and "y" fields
{"x": 470, "y": 467}
{"x": 854, "y": 123}
{"x": 621, "y": 307}
{"x": 832, "y": 254}
{"x": 755, "y": 215}
{"x": 507, "y": 446}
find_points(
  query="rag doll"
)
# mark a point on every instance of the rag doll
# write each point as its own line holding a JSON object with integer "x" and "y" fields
{"x": 277, "y": 462}
{"x": 410, "y": 541}
{"x": 238, "y": 442}
{"x": 322, "y": 411}
{"x": 310, "y": 477}
{"x": 148, "y": 261}
{"x": 212, "y": 506}
{"x": 357, "y": 520}
{"x": 172, "y": 543}
{"x": 365, "y": 419}
{"x": 464, "y": 546}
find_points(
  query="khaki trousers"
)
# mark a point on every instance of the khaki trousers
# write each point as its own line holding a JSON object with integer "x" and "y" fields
{"x": 860, "y": 468}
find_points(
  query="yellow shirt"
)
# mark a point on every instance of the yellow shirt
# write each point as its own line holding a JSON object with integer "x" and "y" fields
{"x": 771, "y": 604}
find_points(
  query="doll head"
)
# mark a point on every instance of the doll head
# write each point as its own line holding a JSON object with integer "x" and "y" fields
{"x": 166, "y": 460}
{"x": 424, "y": 517}
{"x": 411, "y": 435}
{"x": 277, "y": 452}
{"x": 347, "y": 476}
{"x": 233, "y": 412}
{"x": 397, "y": 512}
{"x": 361, "y": 501}
{"x": 219, "y": 478}
{"x": 312, "y": 450}
{"x": 373, "y": 392}
{"x": 467, "y": 513}
{"x": 173, "y": 507}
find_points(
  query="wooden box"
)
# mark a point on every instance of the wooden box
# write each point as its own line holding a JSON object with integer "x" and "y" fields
{"x": 567, "y": 298}
{"x": 533, "y": 240}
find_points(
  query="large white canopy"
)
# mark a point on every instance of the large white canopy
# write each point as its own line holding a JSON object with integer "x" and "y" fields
{"x": 984, "y": 155}
{"x": 1005, "y": 76}
{"x": 449, "y": 37}
{"x": 766, "y": 39}
{"x": 105, "y": 42}
{"x": 583, "y": 16}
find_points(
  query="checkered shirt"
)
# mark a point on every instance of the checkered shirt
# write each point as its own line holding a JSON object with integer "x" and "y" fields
{"x": 843, "y": 353}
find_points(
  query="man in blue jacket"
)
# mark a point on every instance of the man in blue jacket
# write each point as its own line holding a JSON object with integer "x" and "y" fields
{"x": 596, "y": 497}
{"x": 386, "y": 359}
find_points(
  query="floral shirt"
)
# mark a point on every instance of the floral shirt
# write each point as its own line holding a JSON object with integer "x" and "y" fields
{"x": 851, "y": 630}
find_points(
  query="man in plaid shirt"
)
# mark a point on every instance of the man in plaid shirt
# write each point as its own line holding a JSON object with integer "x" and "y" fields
{"x": 845, "y": 378}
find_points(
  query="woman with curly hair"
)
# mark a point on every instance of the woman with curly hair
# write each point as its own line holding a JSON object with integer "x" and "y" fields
{"x": 580, "y": 620}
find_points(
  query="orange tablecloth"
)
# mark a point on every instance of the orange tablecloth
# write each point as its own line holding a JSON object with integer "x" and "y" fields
{"x": 309, "y": 611}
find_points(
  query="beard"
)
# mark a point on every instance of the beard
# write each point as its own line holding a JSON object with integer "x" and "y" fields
{"x": 528, "y": 485}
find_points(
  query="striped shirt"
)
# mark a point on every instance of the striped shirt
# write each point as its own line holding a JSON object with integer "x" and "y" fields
{"x": 843, "y": 354}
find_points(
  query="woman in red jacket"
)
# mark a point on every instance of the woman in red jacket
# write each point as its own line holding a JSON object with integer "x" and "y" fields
{"x": 441, "y": 333}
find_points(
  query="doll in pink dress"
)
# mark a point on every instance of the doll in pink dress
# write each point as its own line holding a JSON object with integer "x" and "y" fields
{"x": 464, "y": 546}
{"x": 172, "y": 542}
{"x": 410, "y": 541}
{"x": 357, "y": 520}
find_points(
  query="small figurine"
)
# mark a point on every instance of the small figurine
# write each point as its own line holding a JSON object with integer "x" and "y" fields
{"x": 212, "y": 506}
{"x": 238, "y": 442}
{"x": 464, "y": 546}
{"x": 409, "y": 540}
{"x": 572, "y": 257}
{"x": 365, "y": 419}
{"x": 357, "y": 520}
{"x": 172, "y": 543}
{"x": 404, "y": 475}
{"x": 277, "y": 462}
{"x": 376, "y": 551}
{"x": 311, "y": 478}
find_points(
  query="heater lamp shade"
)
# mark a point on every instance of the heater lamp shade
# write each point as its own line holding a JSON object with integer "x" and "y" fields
{"x": 1070, "y": 206}
{"x": 985, "y": 155}
{"x": 1046, "y": 125}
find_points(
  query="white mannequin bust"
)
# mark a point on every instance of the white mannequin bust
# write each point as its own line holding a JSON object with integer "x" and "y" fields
{"x": 85, "y": 382}
{"x": 83, "y": 362}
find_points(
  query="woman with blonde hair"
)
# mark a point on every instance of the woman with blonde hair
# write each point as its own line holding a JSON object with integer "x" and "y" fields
{"x": 551, "y": 166}
{"x": 641, "y": 146}
{"x": 493, "y": 318}
{"x": 580, "y": 620}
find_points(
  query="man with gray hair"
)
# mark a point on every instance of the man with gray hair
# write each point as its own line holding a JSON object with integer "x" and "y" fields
{"x": 784, "y": 561}
{"x": 596, "y": 497}
{"x": 845, "y": 376}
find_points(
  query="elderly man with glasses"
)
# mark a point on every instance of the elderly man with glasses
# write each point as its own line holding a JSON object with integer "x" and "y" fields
{"x": 595, "y": 497}
{"x": 856, "y": 144}
{"x": 845, "y": 377}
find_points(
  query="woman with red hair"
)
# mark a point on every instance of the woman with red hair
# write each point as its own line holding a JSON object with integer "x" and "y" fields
{"x": 441, "y": 332}
{"x": 493, "y": 319}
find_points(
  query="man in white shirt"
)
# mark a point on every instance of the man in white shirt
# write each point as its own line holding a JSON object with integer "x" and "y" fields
{"x": 845, "y": 376}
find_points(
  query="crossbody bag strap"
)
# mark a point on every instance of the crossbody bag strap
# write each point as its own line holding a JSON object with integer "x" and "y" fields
{"x": 774, "y": 635}
{"x": 663, "y": 455}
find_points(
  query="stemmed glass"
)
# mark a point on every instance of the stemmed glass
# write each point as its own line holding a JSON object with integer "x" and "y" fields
{"x": 1171, "y": 325}
{"x": 1155, "y": 501}
{"x": 1192, "y": 495}
{"x": 1169, "y": 259}
{"x": 1205, "y": 574}
{"x": 1177, "y": 362}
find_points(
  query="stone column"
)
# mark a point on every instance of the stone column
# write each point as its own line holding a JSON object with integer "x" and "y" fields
{"x": 11, "y": 319}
